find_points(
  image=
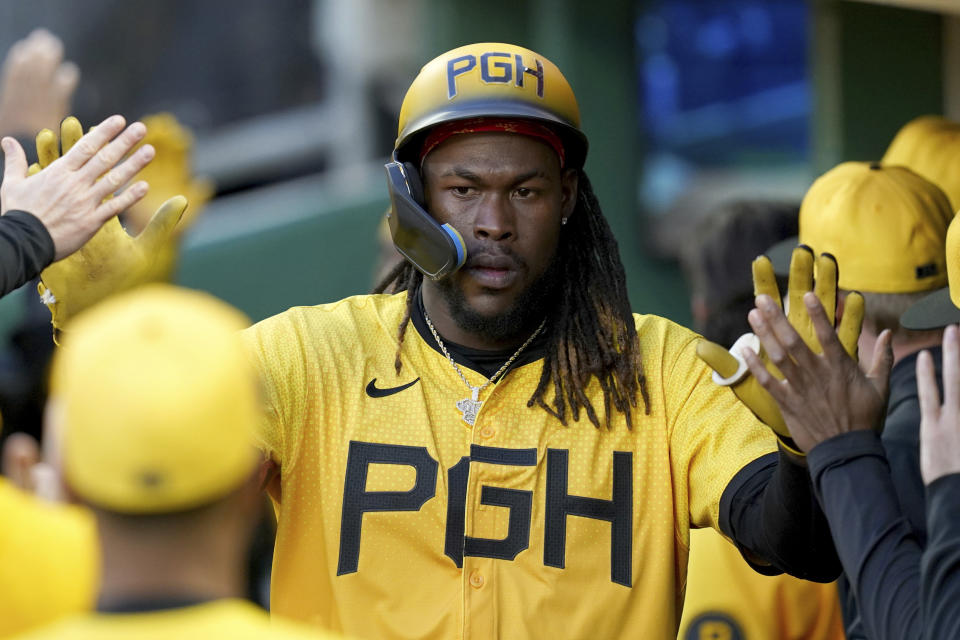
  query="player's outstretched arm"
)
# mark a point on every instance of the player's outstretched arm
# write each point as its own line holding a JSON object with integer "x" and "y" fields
{"x": 834, "y": 412}
{"x": 940, "y": 466}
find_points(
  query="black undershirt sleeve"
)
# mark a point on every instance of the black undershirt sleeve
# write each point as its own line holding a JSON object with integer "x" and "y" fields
{"x": 770, "y": 512}
{"x": 940, "y": 567}
{"x": 26, "y": 248}
{"x": 877, "y": 546}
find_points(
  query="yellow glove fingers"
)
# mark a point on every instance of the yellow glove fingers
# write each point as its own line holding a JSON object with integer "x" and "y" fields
{"x": 717, "y": 358}
{"x": 850, "y": 323}
{"x": 800, "y": 279}
{"x": 160, "y": 228}
{"x": 70, "y": 133}
{"x": 764, "y": 279}
{"x": 47, "y": 150}
{"x": 33, "y": 169}
{"x": 826, "y": 285}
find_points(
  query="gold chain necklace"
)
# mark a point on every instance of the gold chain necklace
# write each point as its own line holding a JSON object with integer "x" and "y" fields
{"x": 470, "y": 407}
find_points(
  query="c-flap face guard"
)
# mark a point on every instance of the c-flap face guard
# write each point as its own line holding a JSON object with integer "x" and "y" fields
{"x": 435, "y": 250}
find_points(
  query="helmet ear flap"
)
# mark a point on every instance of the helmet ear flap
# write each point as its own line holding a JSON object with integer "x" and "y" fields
{"x": 413, "y": 182}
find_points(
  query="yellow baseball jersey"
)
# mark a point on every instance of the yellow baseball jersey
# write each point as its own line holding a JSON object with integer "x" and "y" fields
{"x": 49, "y": 561}
{"x": 233, "y": 619}
{"x": 727, "y": 600}
{"x": 397, "y": 519}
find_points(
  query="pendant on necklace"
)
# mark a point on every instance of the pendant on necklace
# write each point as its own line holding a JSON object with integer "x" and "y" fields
{"x": 469, "y": 407}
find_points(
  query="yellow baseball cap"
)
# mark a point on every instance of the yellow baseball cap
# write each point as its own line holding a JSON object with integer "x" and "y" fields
{"x": 930, "y": 146}
{"x": 885, "y": 225}
{"x": 156, "y": 401}
{"x": 942, "y": 307}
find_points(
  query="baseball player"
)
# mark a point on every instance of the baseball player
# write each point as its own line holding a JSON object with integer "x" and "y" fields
{"x": 494, "y": 445}
{"x": 153, "y": 402}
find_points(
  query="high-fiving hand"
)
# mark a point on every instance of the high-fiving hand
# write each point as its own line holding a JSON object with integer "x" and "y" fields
{"x": 68, "y": 196}
{"x": 821, "y": 395}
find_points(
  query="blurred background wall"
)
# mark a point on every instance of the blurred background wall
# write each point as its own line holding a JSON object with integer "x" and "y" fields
{"x": 686, "y": 103}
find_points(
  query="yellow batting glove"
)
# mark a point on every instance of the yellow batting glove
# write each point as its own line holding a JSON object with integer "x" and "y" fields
{"x": 49, "y": 146}
{"x": 169, "y": 173}
{"x": 111, "y": 262}
{"x": 730, "y": 368}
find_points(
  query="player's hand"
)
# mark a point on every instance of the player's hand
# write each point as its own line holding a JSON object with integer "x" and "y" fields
{"x": 111, "y": 262}
{"x": 731, "y": 367}
{"x": 821, "y": 393}
{"x": 940, "y": 424}
{"x": 68, "y": 196}
{"x": 36, "y": 84}
{"x": 169, "y": 174}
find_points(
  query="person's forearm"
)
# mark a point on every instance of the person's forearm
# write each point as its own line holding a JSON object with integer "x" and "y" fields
{"x": 940, "y": 567}
{"x": 876, "y": 545}
{"x": 773, "y": 515}
{"x": 25, "y": 249}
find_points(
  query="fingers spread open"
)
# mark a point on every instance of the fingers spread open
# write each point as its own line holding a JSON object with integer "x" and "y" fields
{"x": 122, "y": 201}
{"x": 90, "y": 144}
{"x": 121, "y": 174}
{"x": 763, "y": 376}
{"x": 764, "y": 279}
{"x": 780, "y": 335}
{"x": 851, "y": 322}
{"x": 800, "y": 279}
{"x": 47, "y": 150}
{"x": 114, "y": 151}
{"x": 826, "y": 285}
{"x": 70, "y": 133}
{"x": 823, "y": 328}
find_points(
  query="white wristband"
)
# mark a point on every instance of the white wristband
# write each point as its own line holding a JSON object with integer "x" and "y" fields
{"x": 746, "y": 340}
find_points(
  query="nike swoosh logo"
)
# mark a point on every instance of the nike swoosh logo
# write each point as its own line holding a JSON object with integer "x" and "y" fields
{"x": 376, "y": 392}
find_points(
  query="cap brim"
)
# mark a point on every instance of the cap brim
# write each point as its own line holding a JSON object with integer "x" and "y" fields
{"x": 931, "y": 312}
{"x": 780, "y": 255}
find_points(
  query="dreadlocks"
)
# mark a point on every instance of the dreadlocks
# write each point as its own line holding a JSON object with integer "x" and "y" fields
{"x": 591, "y": 334}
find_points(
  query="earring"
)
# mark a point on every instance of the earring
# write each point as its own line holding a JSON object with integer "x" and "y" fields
{"x": 563, "y": 221}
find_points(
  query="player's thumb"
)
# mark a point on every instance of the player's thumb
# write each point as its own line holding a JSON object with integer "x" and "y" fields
{"x": 717, "y": 358}
{"x": 162, "y": 223}
{"x": 14, "y": 161}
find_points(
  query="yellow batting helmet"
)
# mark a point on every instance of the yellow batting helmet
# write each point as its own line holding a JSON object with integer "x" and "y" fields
{"x": 490, "y": 79}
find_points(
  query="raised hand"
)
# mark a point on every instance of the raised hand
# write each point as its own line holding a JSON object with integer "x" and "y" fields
{"x": 820, "y": 395}
{"x": 731, "y": 367}
{"x": 36, "y": 84}
{"x": 68, "y": 196}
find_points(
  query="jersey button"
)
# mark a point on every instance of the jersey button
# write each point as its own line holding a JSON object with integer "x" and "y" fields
{"x": 488, "y": 432}
{"x": 476, "y": 580}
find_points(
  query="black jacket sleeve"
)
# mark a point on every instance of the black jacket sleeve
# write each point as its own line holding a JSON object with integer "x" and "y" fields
{"x": 877, "y": 546}
{"x": 770, "y": 512}
{"x": 25, "y": 249}
{"x": 940, "y": 567}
